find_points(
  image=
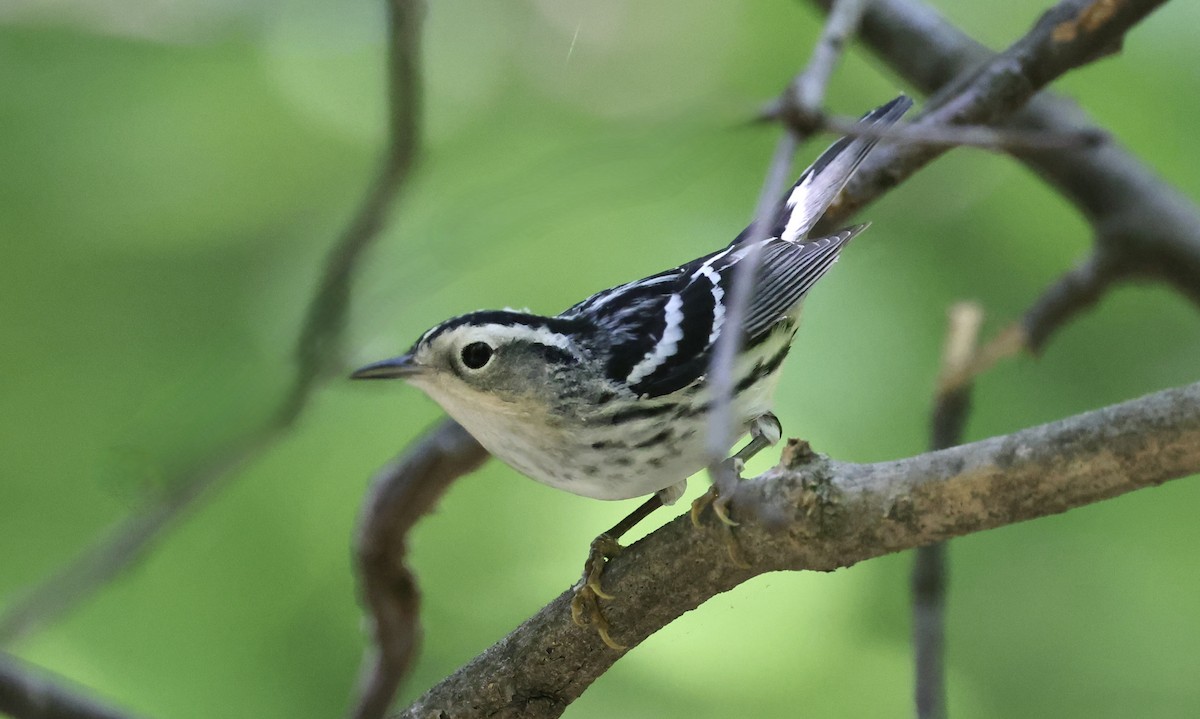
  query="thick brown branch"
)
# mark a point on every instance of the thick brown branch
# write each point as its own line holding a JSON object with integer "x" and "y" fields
{"x": 840, "y": 514}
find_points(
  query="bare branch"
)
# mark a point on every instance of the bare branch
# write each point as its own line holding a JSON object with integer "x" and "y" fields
{"x": 720, "y": 376}
{"x": 317, "y": 351}
{"x": 319, "y": 345}
{"x": 987, "y": 137}
{"x": 951, "y": 407}
{"x": 800, "y": 106}
{"x": 1143, "y": 227}
{"x": 975, "y": 86}
{"x": 802, "y": 99}
{"x": 929, "y": 579}
{"x": 25, "y": 694}
{"x": 1075, "y": 291}
{"x": 402, "y": 493}
{"x": 839, "y": 514}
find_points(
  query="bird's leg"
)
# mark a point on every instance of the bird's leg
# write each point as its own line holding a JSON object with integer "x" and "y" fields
{"x": 765, "y": 430}
{"x": 585, "y": 607}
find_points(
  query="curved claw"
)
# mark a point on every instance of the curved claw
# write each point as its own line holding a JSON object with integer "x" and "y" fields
{"x": 585, "y": 605}
{"x": 578, "y": 605}
{"x": 585, "y": 610}
{"x": 603, "y": 549}
{"x": 720, "y": 508}
{"x": 593, "y": 583}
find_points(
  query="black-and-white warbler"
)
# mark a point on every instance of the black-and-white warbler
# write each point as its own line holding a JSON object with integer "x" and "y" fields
{"x": 609, "y": 398}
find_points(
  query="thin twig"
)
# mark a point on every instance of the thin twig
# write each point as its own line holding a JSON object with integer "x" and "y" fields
{"x": 1077, "y": 289}
{"x": 951, "y": 407}
{"x": 25, "y": 693}
{"x": 807, "y": 93}
{"x": 720, "y": 380}
{"x": 804, "y": 97}
{"x": 838, "y": 514}
{"x": 987, "y": 137}
{"x": 317, "y": 351}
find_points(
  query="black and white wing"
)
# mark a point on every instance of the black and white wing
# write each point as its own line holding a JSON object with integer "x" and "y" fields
{"x": 661, "y": 330}
{"x": 788, "y": 270}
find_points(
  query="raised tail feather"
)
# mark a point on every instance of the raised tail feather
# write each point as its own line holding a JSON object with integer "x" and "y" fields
{"x": 820, "y": 184}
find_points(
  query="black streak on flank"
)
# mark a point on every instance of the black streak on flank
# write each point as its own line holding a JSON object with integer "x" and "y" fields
{"x": 629, "y": 415}
{"x": 763, "y": 369}
{"x": 608, "y": 444}
{"x": 659, "y": 438}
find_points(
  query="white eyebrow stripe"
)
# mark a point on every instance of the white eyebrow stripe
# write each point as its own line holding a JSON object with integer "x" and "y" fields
{"x": 665, "y": 347}
{"x": 503, "y": 333}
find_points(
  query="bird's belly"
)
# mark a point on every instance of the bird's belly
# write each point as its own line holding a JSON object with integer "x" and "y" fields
{"x": 595, "y": 453}
{"x": 611, "y": 461}
{"x": 614, "y": 462}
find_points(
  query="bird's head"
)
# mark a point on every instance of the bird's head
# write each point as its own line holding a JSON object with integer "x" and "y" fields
{"x": 499, "y": 361}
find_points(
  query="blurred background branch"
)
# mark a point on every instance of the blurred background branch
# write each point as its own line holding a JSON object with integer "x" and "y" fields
{"x": 948, "y": 421}
{"x": 26, "y": 694}
{"x": 403, "y": 492}
{"x": 318, "y": 351}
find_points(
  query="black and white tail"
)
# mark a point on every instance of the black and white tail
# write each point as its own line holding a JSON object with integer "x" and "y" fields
{"x": 820, "y": 184}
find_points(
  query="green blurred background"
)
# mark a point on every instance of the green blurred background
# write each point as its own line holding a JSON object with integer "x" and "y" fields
{"x": 173, "y": 173}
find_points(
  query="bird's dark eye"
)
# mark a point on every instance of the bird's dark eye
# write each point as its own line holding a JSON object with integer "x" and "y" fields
{"x": 476, "y": 355}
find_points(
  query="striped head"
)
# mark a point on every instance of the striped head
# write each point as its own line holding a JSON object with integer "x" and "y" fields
{"x": 519, "y": 383}
{"x": 495, "y": 360}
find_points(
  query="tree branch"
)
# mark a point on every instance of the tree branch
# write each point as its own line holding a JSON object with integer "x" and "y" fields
{"x": 25, "y": 695}
{"x": 948, "y": 421}
{"x": 803, "y": 99}
{"x": 1142, "y": 226}
{"x": 838, "y": 514}
{"x": 403, "y": 492}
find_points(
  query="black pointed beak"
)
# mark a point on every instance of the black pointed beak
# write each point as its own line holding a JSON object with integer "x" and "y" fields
{"x": 396, "y": 367}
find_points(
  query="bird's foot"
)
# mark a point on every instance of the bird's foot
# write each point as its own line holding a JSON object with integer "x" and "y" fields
{"x": 720, "y": 507}
{"x": 585, "y": 606}
{"x": 765, "y": 431}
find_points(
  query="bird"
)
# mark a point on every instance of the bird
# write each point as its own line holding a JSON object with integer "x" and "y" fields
{"x": 610, "y": 398}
